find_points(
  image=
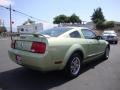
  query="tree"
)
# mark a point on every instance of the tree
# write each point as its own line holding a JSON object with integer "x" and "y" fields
{"x": 98, "y": 19}
{"x": 98, "y": 16}
{"x": 74, "y": 19}
{"x": 3, "y": 29}
{"x": 29, "y": 21}
{"x": 100, "y": 24}
{"x": 66, "y": 19}
{"x": 60, "y": 19}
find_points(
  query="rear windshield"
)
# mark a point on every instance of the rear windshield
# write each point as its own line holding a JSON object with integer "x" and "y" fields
{"x": 55, "y": 32}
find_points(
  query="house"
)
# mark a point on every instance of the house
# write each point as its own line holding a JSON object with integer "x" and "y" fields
{"x": 30, "y": 28}
{"x": 90, "y": 25}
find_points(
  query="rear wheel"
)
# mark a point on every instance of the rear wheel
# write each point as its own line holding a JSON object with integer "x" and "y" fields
{"x": 72, "y": 68}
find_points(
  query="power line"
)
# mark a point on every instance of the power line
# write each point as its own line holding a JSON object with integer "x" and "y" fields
{"x": 24, "y": 14}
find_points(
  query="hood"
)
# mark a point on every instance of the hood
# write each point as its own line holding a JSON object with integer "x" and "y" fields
{"x": 109, "y": 35}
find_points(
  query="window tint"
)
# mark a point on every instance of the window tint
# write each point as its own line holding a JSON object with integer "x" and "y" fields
{"x": 54, "y": 32}
{"x": 75, "y": 34}
{"x": 88, "y": 34}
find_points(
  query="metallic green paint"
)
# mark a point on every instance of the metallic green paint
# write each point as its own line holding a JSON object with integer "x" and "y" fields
{"x": 59, "y": 49}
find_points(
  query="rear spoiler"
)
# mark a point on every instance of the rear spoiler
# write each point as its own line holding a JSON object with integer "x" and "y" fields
{"x": 24, "y": 34}
{"x": 18, "y": 34}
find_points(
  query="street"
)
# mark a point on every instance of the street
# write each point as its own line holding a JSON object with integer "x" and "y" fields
{"x": 96, "y": 75}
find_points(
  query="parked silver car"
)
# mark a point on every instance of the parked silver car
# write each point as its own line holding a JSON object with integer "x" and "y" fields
{"x": 110, "y": 36}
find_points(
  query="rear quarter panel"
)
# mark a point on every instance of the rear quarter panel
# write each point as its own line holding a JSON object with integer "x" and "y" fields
{"x": 60, "y": 49}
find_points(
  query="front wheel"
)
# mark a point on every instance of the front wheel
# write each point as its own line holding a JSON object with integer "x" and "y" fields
{"x": 73, "y": 66}
{"x": 106, "y": 53}
{"x": 116, "y": 42}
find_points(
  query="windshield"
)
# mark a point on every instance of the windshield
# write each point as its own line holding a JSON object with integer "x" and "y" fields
{"x": 55, "y": 32}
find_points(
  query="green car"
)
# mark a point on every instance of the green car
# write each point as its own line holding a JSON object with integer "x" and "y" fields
{"x": 59, "y": 48}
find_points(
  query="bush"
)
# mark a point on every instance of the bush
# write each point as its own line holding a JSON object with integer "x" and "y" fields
{"x": 3, "y": 29}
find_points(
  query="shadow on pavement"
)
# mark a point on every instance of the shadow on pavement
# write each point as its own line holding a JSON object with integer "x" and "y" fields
{"x": 25, "y": 79}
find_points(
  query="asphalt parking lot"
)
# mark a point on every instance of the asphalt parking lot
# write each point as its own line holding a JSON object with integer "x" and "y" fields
{"x": 96, "y": 75}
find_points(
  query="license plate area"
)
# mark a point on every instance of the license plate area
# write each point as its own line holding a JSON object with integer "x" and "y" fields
{"x": 18, "y": 59}
{"x": 23, "y": 45}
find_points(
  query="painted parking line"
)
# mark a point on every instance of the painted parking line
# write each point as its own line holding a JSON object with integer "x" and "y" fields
{"x": 4, "y": 38}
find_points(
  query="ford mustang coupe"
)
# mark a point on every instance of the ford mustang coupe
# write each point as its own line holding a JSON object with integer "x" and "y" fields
{"x": 59, "y": 48}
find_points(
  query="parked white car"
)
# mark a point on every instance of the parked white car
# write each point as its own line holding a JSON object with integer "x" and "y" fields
{"x": 110, "y": 36}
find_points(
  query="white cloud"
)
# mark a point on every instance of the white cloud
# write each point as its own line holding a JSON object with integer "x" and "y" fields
{"x": 6, "y": 2}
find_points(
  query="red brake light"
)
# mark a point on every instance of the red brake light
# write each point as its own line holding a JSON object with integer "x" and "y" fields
{"x": 38, "y": 47}
{"x": 13, "y": 43}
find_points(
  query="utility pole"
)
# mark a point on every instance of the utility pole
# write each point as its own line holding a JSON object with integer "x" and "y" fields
{"x": 10, "y": 22}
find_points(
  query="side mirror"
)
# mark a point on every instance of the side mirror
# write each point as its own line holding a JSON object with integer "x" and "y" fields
{"x": 99, "y": 37}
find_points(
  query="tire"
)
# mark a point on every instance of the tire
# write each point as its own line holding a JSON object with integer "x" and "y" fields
{"x": 116, "y": 42}
{"x": 106, "y": 53}
{"x": 73, "y": 66}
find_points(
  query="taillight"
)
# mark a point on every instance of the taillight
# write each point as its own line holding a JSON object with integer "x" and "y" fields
{"x": 13, "y": 43}
{"x": 38, "y": 47}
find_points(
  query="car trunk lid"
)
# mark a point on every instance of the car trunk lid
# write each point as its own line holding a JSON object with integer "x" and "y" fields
{"x": 35, "y": 43}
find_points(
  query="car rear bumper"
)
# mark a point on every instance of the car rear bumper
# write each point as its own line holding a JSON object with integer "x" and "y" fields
{"x": 31, "y": 60}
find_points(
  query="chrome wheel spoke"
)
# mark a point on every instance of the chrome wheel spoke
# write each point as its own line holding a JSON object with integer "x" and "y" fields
{"x": 75, "y": 65}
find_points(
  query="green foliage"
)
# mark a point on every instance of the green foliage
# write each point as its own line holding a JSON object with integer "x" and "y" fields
{"x": 98, "y": 16}
{"x": 60, "y": 19}
{"x": 99, "y": 20}
{"x": 74, "y": 19}
{"x": 104, "y": 25}
{"x": 3, "y": 29}
{"x": 29, "y": 21}
{"x": 66, "y": 19}
{"x": 109, "y": 24}
{"x": 100, "y": 24}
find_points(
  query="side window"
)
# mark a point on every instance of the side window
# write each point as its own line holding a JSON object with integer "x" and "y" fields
{"x": 75, "y": 34}
{"x": 88, "y": 34}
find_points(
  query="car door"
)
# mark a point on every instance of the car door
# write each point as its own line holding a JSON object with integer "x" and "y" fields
{"x": 93, "y": 44}
{"x": 82, "y": 42}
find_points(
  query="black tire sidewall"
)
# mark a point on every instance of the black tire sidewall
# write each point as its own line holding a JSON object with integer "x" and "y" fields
{"x": 105, "y": 56}
{"x": 67, "y": 69}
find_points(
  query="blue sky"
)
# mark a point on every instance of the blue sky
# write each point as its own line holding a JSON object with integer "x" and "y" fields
{"x": 47, "y": 9}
